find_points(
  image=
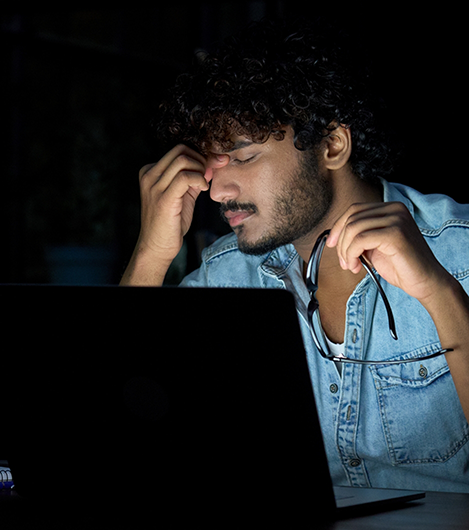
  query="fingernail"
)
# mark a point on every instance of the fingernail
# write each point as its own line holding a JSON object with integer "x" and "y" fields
{"x": 208, "y": 174}
{"x": 330, "y": 241}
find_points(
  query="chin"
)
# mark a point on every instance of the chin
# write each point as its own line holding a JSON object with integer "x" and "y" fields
{"x": 261, "y": 246}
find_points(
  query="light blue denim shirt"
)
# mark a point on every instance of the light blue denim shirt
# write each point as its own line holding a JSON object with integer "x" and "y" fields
{"x": 398, "y": 426}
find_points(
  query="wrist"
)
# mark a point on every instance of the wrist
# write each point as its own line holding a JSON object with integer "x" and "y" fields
{"x": 146, "y": 268}
{"x": 445, "y": 292}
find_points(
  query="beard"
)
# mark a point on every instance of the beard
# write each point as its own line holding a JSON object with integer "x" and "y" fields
{"x": 299, "y": 209}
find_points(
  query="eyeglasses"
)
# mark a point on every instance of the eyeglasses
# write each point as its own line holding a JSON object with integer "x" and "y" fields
{"x": 312, "y": 272}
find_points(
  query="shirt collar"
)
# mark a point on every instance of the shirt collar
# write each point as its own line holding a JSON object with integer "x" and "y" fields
{"x": 391, "y": 193}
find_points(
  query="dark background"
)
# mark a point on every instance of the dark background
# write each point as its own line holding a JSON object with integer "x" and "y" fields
{"x": 80, "y": 86}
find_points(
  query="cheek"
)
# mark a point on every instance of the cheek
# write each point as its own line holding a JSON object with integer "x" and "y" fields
{"x": 268, "y": 180}
{"x": 277, "y": 183}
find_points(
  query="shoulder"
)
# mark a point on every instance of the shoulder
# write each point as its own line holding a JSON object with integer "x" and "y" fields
{"x": 443, "y": 222}
{"x": 432, "y": 212}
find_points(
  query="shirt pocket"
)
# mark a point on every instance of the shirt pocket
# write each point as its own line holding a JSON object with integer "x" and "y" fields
{"x": 421, "y": 415}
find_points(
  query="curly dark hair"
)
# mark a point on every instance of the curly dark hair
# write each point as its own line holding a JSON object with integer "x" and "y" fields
{"x": 269, "y": 76}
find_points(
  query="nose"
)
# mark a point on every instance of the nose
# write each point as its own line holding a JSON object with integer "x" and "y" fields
{"x": 223, "y": 188}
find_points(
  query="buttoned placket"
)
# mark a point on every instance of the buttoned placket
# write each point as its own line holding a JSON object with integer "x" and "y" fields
{"x": 344, "y": 388}
{"x": 349, "y": 396}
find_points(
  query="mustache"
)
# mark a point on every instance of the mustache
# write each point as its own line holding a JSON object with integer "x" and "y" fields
{"x": 235, "y": 206}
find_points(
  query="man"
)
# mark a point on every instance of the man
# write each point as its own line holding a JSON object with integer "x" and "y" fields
{"x": 284, "y": 139}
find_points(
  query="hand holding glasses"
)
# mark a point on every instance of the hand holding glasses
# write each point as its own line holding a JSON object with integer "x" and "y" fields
{"x": 312, "y": 273}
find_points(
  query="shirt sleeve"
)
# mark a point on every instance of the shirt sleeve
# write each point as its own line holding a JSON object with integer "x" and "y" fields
{"x": 197, "y": 278}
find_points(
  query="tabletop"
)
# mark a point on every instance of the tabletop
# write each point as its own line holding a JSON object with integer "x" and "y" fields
{"x": 437, "y": 511}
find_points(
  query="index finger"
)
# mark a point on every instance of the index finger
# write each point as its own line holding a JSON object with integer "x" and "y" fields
{"x": 352, "y": 211}
{"x": 336, "y": 230}
{"x": 165, "y": 161}
{"x": 145, "y": 169}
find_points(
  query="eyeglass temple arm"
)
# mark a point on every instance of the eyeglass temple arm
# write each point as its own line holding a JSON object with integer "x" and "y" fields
{"x": 392, "y": 325}
{"x": 339, "y": 359}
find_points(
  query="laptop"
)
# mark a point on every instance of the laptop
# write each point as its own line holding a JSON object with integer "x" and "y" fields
{"x": 186, "y": 405}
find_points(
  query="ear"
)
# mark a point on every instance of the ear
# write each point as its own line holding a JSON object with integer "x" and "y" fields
{"x": 337, "y": 147}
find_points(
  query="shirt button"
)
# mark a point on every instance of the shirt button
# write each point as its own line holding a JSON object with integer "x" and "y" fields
{"x": 423, "y": 372}
{"x": 334, "y": 388}
{"x": 355, "y": 462}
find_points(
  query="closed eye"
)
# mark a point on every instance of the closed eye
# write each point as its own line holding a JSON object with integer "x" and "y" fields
{"x": 239, "y": 162}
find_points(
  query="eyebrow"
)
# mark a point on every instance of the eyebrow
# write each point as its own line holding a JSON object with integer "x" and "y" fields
{"x": 240, "y": 144}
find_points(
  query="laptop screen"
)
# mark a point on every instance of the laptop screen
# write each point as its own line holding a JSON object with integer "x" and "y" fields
{"x": 200, "y": 396}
